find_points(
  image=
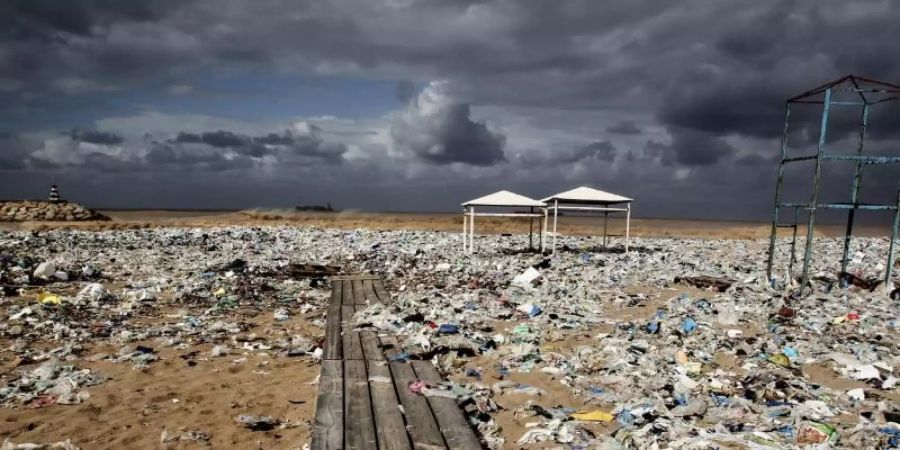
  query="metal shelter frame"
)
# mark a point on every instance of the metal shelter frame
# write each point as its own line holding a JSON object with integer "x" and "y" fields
{"x": 469, "y": 215}
{"x": 869, "y": 92}
{"x": 585, "y": 199}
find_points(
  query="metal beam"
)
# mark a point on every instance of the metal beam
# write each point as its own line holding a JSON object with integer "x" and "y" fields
{"x": 778, "y": 183}
{"x": 854, "y": 188}
{"x": 866, "y": 206}
{"x": 817, "y": 178}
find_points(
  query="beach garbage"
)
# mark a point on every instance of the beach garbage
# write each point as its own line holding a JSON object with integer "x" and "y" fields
{"x": 530, "y": 309}
{"x": 60, "y": 445}
{"x": 711, "y": 368}
{"x": 49, "y": 298}
{"x": 281, "y": 314}
{"x": 258, "y": 422}
{"x": 593, "y": 416}
{"x": 45, "y": 270}
{"x": 525, "y": 278}
{"x": 417, "y": 386}
{"x": 811, "y": 432}
{"x": 688, "y": 325}
{"x": 779, "y": 359}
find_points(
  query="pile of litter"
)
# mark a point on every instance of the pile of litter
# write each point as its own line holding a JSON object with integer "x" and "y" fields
{"x": 676, "y": 344}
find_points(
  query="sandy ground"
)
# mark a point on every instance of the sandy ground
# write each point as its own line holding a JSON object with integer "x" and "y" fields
{"x": 186, "y": 393}
{"x": 194, "y": 398}
{"x": 571, "y": 225}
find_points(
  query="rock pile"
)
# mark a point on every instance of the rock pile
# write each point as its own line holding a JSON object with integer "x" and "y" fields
{"x": 20, "y": 211}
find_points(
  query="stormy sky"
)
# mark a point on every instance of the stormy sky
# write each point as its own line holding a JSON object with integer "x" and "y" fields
{"x": 421, "y": 104}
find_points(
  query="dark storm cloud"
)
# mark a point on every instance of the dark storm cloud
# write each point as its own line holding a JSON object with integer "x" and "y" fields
{"x": 13, "y": 152}
{"x": 627, "y": 127}
{"x": 25, "y": 18}
{"x": 96, "y": 137}
{"x": 600, "y": 151}
{"x": 440, "y": 130}
{"x": 705, "y": 73}
{"x": 691, "y": 148}
{"x": 287, "y": 143}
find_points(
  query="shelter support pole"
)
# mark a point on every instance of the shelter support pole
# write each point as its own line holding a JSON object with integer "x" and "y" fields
{"x": 531, "y": 229}
{"x": 889, "y": 269}
{"x": 774, "y": 233}
{"x": 472, "y": 230}
{"x": 544, "y": 231}
{"x": 854, "y": 190}
{"x": 811, "y": 224}
{"x": 627, "y": 227}
{"x": 465, "y": 235}
{"x": 555, "y": 219}
{"x": 605, "y": 221}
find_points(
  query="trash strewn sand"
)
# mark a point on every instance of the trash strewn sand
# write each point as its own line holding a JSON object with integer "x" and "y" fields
{"x": 166, "y": 337}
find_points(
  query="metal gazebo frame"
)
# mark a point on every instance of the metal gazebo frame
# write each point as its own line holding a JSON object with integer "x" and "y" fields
{"x": 870, "y": 92}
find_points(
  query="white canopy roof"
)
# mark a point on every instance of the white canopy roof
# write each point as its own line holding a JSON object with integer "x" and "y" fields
{"x": 587, "y": 195}
{"x": 504, "y": 198}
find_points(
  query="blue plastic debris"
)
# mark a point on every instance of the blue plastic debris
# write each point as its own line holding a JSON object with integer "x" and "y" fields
{"x": 447, "y": 328}
{"x": 470, "y": 372}
{"x": 790, "y": 352}
{"x": 598, "y": 391}
{"x": 787, "y": 431}
{"x": 625, "y": 418}
{"x": 400, "y": 357}
{"x": 688, "y": 325}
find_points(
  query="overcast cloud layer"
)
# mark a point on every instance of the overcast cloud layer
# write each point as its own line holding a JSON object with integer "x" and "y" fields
{"x": 190, "y": 103}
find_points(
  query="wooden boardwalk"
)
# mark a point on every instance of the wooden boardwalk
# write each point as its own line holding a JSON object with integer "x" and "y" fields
{"x": 364, "y": 400}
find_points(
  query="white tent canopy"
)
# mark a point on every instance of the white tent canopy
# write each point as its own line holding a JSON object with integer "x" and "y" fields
{"x": 586, "y": 195}
{"x": 601, "y": 201}
{"x": 504, "y": 199}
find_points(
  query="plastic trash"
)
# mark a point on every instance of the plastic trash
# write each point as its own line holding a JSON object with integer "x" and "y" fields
{"x": 49, "y": 298}
{"x": 688, "y": 325}
{"x": 593, "y": 416}
{"x": 530, "y": 309}
{"x": 527, "y": 277}
{"x": 816, "y": 433}
{"x": 258, "y": 423}
{"x": 45, "y": 270}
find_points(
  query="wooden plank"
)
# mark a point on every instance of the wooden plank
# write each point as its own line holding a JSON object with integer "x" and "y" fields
{"x": 370, "y": 346}
{"x": 328, "y": 428}
{"x": 336, "y": 293}
{"x": 360, "y": 423}
{"x": 453, "y": 424}
{"x": 369, "y": 289}
{"x": 359, "y": 295}
{"x": 347, "y": 293}
{"x": 383, "y": 295}
{"x": 419, "y": 420}
{"x": 390, "y": 428}
{"x": 333, "y": 344}
{"x": 389, "y": 346}
{"x": 358, "y": 276}
{"x": 350, "y": 339}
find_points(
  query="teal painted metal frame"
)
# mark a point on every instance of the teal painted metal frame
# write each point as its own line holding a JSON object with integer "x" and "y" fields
{"x": 810, "y": 97}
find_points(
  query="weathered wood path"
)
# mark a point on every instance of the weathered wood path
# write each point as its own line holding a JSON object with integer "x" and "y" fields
{"x": 364, "y": 400}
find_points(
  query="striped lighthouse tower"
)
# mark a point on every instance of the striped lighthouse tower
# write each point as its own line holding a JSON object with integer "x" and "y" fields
{"x": 54, "y": 194}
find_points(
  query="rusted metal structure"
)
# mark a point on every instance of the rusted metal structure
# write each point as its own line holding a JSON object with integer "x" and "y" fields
{"x": 863, "y": 93}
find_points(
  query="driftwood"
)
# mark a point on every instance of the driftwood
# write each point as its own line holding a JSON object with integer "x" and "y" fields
{"x": 705, "y": 282}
